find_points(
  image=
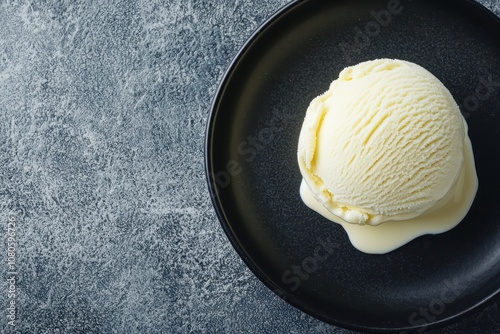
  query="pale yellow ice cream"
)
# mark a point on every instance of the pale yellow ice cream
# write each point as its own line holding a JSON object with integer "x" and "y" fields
{"x": 385, "y": 142}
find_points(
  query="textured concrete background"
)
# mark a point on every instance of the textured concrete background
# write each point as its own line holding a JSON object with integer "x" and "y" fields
{"x": 102, "y": 116}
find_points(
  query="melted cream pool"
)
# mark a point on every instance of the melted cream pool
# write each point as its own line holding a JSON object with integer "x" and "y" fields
{"x": 390, "y": 235}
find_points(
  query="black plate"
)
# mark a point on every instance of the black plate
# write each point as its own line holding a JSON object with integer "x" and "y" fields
{"x": 254, "y": 178}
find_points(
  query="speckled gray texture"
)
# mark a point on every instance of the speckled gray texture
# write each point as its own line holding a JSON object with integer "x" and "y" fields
{"x": 102, "y": 115}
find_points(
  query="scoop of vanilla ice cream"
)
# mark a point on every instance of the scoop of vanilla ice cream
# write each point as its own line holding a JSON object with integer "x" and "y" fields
{"x": 385, "y": 142}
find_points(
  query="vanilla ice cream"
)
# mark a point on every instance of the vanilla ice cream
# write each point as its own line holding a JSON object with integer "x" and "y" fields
{"x": 385, "y": 143}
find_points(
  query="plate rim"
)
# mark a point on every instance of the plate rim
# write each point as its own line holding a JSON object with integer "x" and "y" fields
{"x": 225, "y": 224}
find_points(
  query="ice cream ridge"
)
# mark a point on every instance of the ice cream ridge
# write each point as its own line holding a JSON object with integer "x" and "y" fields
{"x": 385, "y": 153}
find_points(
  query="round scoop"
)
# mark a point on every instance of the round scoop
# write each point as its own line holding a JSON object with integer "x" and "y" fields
{"x": 385, "y": 142}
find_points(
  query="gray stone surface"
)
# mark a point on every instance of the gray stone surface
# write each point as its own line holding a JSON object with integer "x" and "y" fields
{"x": 102, "y": 115}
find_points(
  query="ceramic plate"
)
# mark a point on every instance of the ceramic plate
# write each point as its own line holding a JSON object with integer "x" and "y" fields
{"x": 254, "y": 179}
